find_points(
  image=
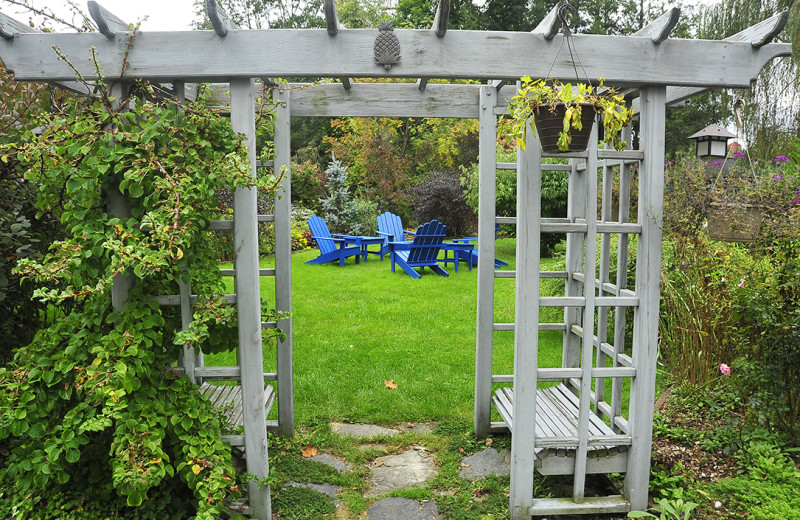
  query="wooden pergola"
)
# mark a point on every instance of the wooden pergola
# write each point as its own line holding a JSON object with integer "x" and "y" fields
{"x": 578, "y": 427}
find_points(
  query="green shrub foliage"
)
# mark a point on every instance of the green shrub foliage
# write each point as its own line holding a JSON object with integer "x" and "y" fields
{"x": 440, "y": 196}
{"x": 93, "y": 407}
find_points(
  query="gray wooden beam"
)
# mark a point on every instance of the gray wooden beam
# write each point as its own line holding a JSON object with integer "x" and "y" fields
{"x": 646, "y": 317}
{"x": 550, "y": 24}
{"x": 192, "y": 56}
{"x": 757, "y": 36}
{"x": 763, "y": 32}
{"x": 283, "y": 259}
{"x": 487, "y": 190}
{"x": 108, "y": 24}
{"x": 659, "y": 29}
{"x": 526, "y": 332}
{"x": 10, "y": 27}
{"x": 331, "y": 18}
{"x": 442, "y": 18}
{"x": 248, "y": 307}
{"x": 220, "y": 20}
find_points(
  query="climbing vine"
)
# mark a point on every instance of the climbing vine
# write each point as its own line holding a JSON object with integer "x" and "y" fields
{"x": 94, "y": 411}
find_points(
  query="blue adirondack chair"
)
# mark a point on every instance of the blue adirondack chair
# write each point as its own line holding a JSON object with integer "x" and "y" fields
{"x": 390, "y": 227}
{"x": 471, "y": 257}
{"x": 422, "y": 251}
{"x": 331, "y": 248}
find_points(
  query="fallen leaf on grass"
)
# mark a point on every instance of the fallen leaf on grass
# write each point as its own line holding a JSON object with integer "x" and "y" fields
{"x": 309, "y": 451}
{"x": 489, "y": 441}
{"x": 390, "y": 384}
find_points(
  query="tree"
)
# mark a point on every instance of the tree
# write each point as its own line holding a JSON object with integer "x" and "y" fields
{"x": 770, "y": 114}
{"x": 337, "y": 208}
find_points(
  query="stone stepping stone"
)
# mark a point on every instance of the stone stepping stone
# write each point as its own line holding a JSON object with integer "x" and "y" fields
{"x": 331, "y": 461}
{"x": 396, "y": 508}
{"x": 361, "y": 430}
{"x": 401, "y": 471}
{"x": 423, "y": 428}
{"x": 326, "y": 489}
{"x": 485, "y": 463}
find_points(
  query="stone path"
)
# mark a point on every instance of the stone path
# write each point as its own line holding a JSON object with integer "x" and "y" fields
{"x": 404, "y": 470}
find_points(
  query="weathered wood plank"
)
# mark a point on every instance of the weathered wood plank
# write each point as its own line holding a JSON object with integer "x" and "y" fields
{"x": 757, "y": 35}
{"x": 442, "y": 18}
{"x": 550, "y": 24}
{"x": 220, "y": 20}
{"x": 107, "y": 22}
{"x": 591, "y": 505}
{"x": 526, "y": 314}
{"x": 648, "y": 274}
{"x": 397, "y": 100}
{"x": 194, "y": 56}
{"x": 659, "y": 29}
{"x": 487, "y": 191}
{"x": 332, "y": 24}
{"x": 283, "y": 260}
{"x": 251, "y": 361}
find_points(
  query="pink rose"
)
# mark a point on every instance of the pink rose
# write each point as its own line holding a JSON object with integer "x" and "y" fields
{"x": 725, "y": 369}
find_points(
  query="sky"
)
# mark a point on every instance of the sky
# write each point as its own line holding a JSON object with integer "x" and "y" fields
{"x": 163, "y": 15}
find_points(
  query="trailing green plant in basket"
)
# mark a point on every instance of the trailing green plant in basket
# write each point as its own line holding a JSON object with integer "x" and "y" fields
{"x": 539, "y": 98}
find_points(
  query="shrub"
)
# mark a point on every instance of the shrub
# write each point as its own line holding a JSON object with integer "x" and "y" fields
{"x": 92, "y": 409}
{"x": 440, "y": 196}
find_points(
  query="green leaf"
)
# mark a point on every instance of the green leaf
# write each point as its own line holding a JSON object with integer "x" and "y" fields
{"x": 72, "y": 455}
{"x": 135, "y": 498}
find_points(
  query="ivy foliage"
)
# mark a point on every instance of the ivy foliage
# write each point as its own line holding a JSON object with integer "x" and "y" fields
{"x": 93, "y": 407}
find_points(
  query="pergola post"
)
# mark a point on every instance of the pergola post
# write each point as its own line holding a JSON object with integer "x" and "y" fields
{"x": 648, "y": 276}
{"x": 248, "y": 296}
{"x": 526, "y": 331}
{"x": 283, "y": 258}
{"x": 487, "y": 192}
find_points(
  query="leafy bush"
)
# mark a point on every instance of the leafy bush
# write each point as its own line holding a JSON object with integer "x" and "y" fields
{"x": 23, "y": 232}
{"x": 98, "y": 385}
{"x": 365, "y": 217}
{"x": 439, "y": 196}
{"x": 555, "y": 185}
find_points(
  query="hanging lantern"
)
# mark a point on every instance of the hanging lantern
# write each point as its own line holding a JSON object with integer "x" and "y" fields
{"x": 712, "y": 142}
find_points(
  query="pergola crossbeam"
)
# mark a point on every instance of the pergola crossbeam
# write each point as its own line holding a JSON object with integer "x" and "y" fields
{"x": 758, "y": 36}
{"x": 550, "y": 25}
{"x": 191, "y": 56}
{"x": 442, "y": 18}
{"x": 220, "y": 20}
{"x": 659, "y": 29}
{"x": 331, "y": 18}
{"x": 108, "y": 24}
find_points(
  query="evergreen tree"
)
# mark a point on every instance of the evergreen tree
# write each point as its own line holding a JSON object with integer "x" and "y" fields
{"x": 337, "y": 209}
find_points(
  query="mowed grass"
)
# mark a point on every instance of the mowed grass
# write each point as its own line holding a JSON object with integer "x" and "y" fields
{"x": 357, "y": 327}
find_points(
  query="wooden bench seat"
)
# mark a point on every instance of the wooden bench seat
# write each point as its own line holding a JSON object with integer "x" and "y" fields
{"x": 228, "y": 398}
{"x": 557, "y": 433}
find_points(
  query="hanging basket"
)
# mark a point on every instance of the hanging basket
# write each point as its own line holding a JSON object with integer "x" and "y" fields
{"x": 729, "y": 222}
{"x": 550, "y": 124}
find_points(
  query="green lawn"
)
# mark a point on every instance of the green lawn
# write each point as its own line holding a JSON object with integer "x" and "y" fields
{"x": 358, "y": 326}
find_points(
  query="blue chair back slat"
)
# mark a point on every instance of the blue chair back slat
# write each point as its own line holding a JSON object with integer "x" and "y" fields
{"x": 320, "y": 231}
{"x": 391, "y": 224}
{"x": 427, "y": 242}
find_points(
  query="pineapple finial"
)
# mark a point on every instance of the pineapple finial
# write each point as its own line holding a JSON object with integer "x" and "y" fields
{"x": 387, "y": 46}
